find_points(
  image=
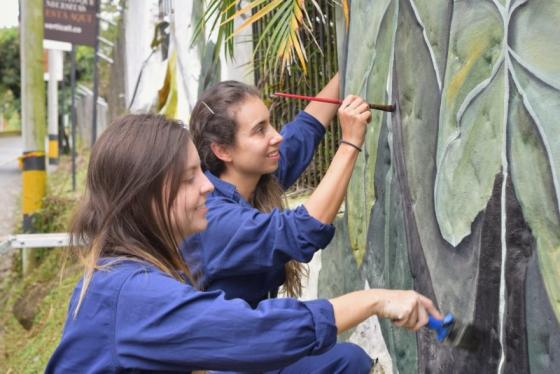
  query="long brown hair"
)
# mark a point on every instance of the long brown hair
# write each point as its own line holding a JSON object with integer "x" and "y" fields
{"x": 213, "y": 121}
{"x": 134, "y": 174}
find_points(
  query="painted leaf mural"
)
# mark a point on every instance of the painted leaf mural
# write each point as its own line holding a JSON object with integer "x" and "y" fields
{"x": 471, "y": 123}
{"x": 457, "y": 193}
{"x": 374, "y": 55}
{"x": 472, "y": 136}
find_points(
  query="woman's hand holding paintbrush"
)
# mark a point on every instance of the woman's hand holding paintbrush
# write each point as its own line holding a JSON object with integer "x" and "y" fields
{"x": 407, "y": 309}
{"x": 383, "y": 107}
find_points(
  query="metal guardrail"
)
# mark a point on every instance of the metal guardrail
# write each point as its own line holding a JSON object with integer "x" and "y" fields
{"x": 35, "y": 241}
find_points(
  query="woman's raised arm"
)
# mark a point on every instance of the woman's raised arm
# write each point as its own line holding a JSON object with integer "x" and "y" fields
{"x": 324, "y": 202}
{"x": 325, "y": 112}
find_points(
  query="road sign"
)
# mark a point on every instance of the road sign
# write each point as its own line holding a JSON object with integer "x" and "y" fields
{"x": 72, "y": 21}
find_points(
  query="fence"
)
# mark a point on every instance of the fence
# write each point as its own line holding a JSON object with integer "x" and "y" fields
{"x": 34, "y": 241}
{"x": 84, "y": 114}
{"x": 322, "y": 65}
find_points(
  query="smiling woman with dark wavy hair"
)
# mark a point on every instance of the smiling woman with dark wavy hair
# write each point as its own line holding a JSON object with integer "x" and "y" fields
{"x": 136, "y": 309}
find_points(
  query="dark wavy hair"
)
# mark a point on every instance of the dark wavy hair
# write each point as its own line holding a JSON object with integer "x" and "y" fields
{"x": 213, "y": 120}
{"x": 134, "y": 174}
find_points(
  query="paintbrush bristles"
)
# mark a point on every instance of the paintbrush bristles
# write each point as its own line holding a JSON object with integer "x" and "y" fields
{"x": 465, "y": 336}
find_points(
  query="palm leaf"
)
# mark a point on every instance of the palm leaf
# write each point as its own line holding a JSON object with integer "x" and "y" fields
{"x": 346, "y": 12}
{"x": 220, "y": 13}
{"x": 285, "y": 22}
{"x": 256, "y": 16}
{"x": 284, "y": 35}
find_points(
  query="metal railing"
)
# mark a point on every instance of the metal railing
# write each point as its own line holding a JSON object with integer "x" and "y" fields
{"x": 34, "y": 241}
{"x": 322, "y": 65}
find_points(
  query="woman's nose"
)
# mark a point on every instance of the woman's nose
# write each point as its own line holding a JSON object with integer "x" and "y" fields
{"x": 207, "y": 186}
{"x": 276, "y": 137}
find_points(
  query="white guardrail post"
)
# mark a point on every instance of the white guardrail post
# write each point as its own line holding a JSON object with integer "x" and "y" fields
{"x": 35, "y": 241}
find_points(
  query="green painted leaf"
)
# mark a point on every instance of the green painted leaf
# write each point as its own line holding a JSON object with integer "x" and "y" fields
{"x": 534, "y": 187}
{"x": 534, "y": 31}
{"x": 470, "y": 162}
{"x": 431, "y": 14}
{"x": 470, "y": 138}
{"x": 373, "y": 51}
{"x": 476, "y": 102}
{"x": 535, "y": 150}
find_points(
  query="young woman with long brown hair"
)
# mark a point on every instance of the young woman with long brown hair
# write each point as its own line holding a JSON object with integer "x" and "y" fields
{"x": 136, "y": 309}
{"x": 253, "y": 245}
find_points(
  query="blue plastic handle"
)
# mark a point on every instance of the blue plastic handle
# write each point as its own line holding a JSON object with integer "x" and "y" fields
{"x": 442, "y": 327}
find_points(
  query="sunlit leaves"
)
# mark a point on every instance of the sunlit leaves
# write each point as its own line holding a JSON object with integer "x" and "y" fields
{"x": 286, "y": 26}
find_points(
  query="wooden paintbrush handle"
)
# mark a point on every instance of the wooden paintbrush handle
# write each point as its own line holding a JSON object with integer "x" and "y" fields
{"x": 383, "y": 107}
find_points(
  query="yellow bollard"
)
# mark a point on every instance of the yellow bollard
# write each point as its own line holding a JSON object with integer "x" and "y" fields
{"x": 53, "y": 149}
{"x": 34, "y": 183}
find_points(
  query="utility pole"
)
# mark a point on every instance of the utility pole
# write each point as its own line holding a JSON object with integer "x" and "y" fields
{"x": 95, "y": 76}
{"x": 34, "y": 177}
{"x": 73, "y": 113}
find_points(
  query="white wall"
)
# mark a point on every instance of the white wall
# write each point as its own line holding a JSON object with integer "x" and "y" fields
{"x": 140, "y": 20}
{"x": 241, "y": 68}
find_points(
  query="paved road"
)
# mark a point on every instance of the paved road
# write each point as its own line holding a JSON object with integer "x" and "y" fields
{"x": 10, "y": 182}
{"x": 10, "y": 186}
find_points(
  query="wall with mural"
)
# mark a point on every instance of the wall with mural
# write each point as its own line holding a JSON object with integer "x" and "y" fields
{"x": 457, "y": 193}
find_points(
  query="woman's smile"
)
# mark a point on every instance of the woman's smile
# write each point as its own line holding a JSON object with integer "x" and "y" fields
{"x": 202, "y": 209}
{"x": 274, "y": 155}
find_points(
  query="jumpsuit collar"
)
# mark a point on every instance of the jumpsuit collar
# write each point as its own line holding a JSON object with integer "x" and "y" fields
{"x": 224, "y": 188}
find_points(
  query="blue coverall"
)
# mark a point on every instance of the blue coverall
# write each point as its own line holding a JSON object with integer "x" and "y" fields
{"x": 135, "y": 318}
{"x": 243, "y": 251}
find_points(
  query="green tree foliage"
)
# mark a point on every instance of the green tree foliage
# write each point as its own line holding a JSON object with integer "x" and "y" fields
{"x": 9, "y": 63}
{"x": 282, "y": 40}
{"x": 10, "y": 76}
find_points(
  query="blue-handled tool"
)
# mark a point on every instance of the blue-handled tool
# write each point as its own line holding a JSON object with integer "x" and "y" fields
{"x": 453, "y": 332}
{"x": 442, "y": 327}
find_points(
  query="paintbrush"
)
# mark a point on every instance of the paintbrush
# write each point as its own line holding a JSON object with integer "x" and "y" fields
{"x": 456, "y": 333}
{"x": 383, "y": 107}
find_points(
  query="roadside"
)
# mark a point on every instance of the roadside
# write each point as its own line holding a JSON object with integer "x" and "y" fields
{"x": 10, "y": 181}
{"x": 33, "y": 307}
{"x": 10, "y": 188}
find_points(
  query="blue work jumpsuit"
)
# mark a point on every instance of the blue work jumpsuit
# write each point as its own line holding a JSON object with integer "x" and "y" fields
{"x": 243, "y": 251}
{"x": 135, "y": 318}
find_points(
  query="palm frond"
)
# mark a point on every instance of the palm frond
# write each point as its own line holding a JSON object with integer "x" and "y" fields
{"x": 220, "y": 13}
{"x": 283, "y": 34}
{"x": 281, "y": 40}
{"x": 346, "y": 12}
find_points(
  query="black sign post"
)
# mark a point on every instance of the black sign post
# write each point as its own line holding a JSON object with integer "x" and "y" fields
{"x": 76, "y": 22}
{"x": 73, "y": 114}
{"x": 95, "y": 84}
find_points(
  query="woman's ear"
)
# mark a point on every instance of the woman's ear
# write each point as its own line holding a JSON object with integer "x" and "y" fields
{"x": 222, "y": 152}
